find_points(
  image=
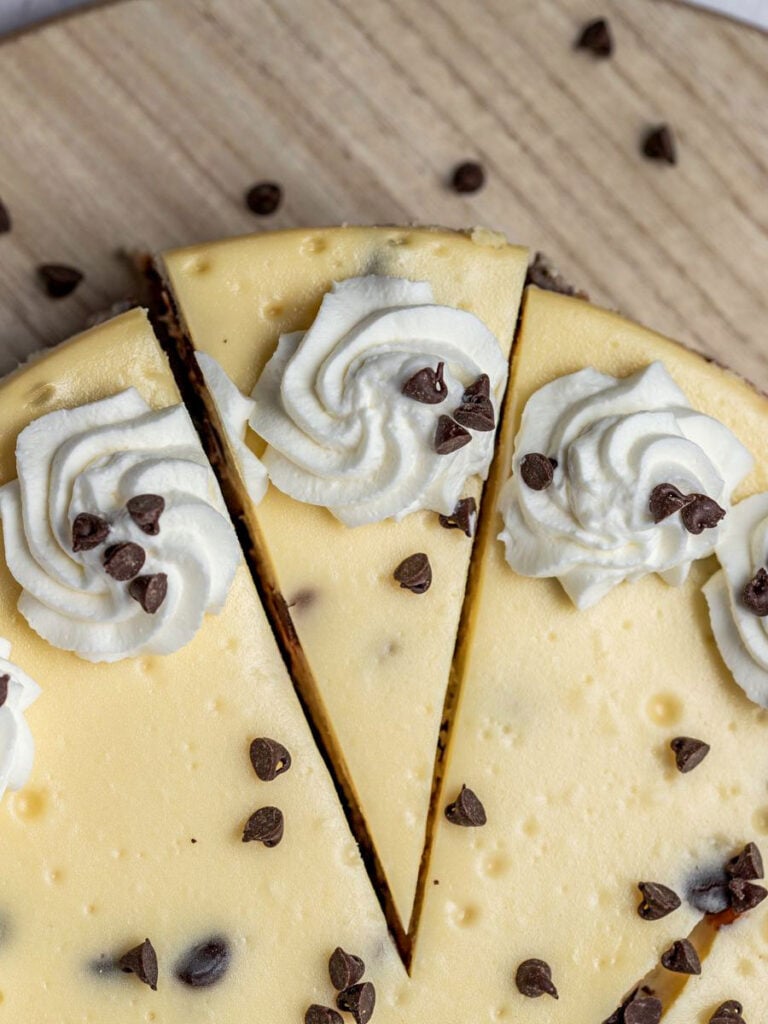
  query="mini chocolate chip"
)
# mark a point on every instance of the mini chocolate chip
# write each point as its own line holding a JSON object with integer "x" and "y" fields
{"x": 4, "y": 684}
{"x": 269, "y": 758}
{"x": 427, "y": 385}
{"x": 468, "y": 177}
{"x": 477, "y": 415}
{"x": 5, "y": 219}
{"x": 537, "y": 471}
{"x": 745, "y": 895}
{"x": 59, "y": 280}
{"x": 681, "y": 958}
{"x": 643, "y": 1010}
{"x": 665, "y": 500}
{"x": 264, "y": 826}
{"x": 414, "y": 573}
{"x": 478, "y": 390}
{"x": 141, "y": 961}
{"x": 755, "y": 595}
{"x": 345, "y": 969}
{"x": 596, "y": 37}
{"x": 534, "y": 979}
{"x": 543, "y": 274}
{"x": 88, "y": 531}
{"x": 658, "y": 901}
{"x": 359, "y": 1000}
{"x": 450, "y": 436}
{"x": 659, "y": 144}
{"x": 748, "y": 864}
{"x": 701, "y": 513}
{"x": 462, "y": 518}
{"x": 466, "y": 810}
{"x": 124, "y": 561}
{"x": 317, "y": 1014}
{"x": 689, "y": 753}
{"x": 150, "y": 591}
{"x": 728, "y": 1012}
{"x": 204, "y": 964}
{"x": 263, "y": 198}
{"x": 145, "y": 510}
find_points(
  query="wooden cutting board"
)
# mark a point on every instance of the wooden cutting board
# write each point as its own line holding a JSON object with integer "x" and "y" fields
{"x": 140, "y": 124}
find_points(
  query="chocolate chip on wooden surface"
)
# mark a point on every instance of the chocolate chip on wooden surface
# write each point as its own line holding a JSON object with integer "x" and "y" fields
{"x": 265, "y": 826}
{"x": 466, "y": 810}
{"x": 205, "y": 964}
{"x": 537, "y": 471}
{"x": 88, "y": 531}
{"x": 747, "y": 864}
{"x": 450, "y": 436}
{"x": 755, "y": 594}
{"x": 150, "y": 591}
{"x": 468, "y": 177}
{"x": 264, "y": 198}
{"x": 145, "y": 510}
{"x": 414, "y": 573}
{"x": 345, "y": 969}
{"x": 59, "y": 280}
{"x": 596, "y": 36}
{"x": 124, "y": 561}
{"x": 463, "y": 517}
{"x": 665, "y": 500}
{"x": 317, "y": 1014}
{"x": 359, "y": 1000}
{"x": 689, "y": 752}
{"x": 141, "y": 961}
{"x": 701, "y": 513}
{"x": 745, "y": 896}
{"x": 534, "y": 979}
{"x": 5, "y": 682}
{"x": 682, "y": 958}
{"x": 427, "y": 385}
{"x": 5, "y": 218}
{"x": 269, "y": 758}
{"x": 658, "y": 901}
{"x": 659, "y": 144}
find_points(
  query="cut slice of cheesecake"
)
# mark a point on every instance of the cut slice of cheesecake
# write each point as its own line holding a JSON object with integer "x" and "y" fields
{"x": 132, "y": 823}
{"x": 372, "y": 659}
{"x": 564, "y": 729}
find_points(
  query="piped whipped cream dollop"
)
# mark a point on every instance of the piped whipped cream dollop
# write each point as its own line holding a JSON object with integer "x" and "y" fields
{"x": 614, "y": 444}
{"x": 737, "y": 596}
{"x": 17, "y": 747}
{"x": 340, "y": 430}
{"x": 115, "y": 529}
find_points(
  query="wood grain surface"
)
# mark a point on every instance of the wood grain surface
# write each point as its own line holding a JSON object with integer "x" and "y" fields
{"x": 139, "y": 126}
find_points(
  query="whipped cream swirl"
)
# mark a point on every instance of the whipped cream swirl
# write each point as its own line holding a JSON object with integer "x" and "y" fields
{"x": 91, "y": 462}
{"x": 330, "y": 402}
{"x": 17, "y": 747}
{"x": 614, "y": 440}
{"x": 737, "y": 596}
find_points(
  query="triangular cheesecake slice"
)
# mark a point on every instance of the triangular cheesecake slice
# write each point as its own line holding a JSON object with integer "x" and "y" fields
{"x": 370, "y": 630}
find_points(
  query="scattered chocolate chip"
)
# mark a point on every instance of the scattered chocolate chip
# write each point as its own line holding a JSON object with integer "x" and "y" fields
{"x": 317, "y": 1014}
{"x": 468, "y": 177}
{"x": 702, "y": 513}
{"x": 462, "y": 518}
{"x": 414, "y": 573}
{"x": 466, "y": 810}
{"x": 264, "y": 198}
{"x": 450, "y": 436}
{"x": 477, "y": 415}
{"x": 150, "y": 591}
{"x": 659, "y": 144}
{"x": 345, "y": 969}
{"x": 689, "y": 753}
{"x": 124, "y": 561}
{"x": 643, "y": 1010}
{"x": 5, "y": 219}
{"x": 729, "y": 1012}
{"x": 665, "y": 500}
{"x": 269, "y": 758}
{"x": 59, "y": 280}
{"x": 745, "y": 895}
{"x": 264, "y": 826}
{"x": 596, "y": 37}
{"x": 658, "y": 901}
{"x": 204, "y": 964}
{"x": 88, "y": 531}
{"x": 145, "y": 510}
{"x": 359, "y": 1000}
{"x": 478, "y": 390}
{"x": 543, "y": 274}
{"x": 5, "y": 681}
{"x": 141, "y": 961}
{"x": 748, "y": 864}
{"x": 537, "y": 471}
{"x": 681, "y": 958}
{"x": 755, "y": 595}
{"x": 427, "y": 385}
{"x": 534, "y": 979}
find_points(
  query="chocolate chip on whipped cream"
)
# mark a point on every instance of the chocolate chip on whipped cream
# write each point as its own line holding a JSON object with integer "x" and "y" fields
{"x": 359, "y": 1000}
{"x": 88, "y": 531}
{"x": 681, "y": 958}
{"x": 450, "y": 436}
{"x": 150, "y": 591}
{"x": 5, "y": 680}
{"x": 466, "y": 810}
{"x": 658, "y": 901}
{"x": 537, "y": 471}
{"x": 534, "y": 978}
{"x": 476, "y": 409}
{"x": 265, "y": 826}
{"x": 414, "y": 573}
{"x": 145, "y": 510}
{"x": 689, "y": 752}
{"x": 124, "y": 561}
{"x": 701, "y": 513}
{"x": 141, "y": 961}
{"x": 463, "y": 517}
{"x": 747, "y": 864}
{"x": 427, "y": 385}
{"x": 269, "y": 758}
{"x": 755, "y": 594}
{"x": 345, "y": 969}
{"x": 665, "y": 500}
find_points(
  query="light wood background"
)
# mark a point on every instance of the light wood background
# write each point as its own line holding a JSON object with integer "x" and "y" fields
{"x": 139, "y": 125}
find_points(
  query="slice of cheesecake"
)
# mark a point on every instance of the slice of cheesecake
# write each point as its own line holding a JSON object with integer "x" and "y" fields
{"x": 371, "y": 653}
{"x": 146, "y": 778}
{"x": 582, "y": 733}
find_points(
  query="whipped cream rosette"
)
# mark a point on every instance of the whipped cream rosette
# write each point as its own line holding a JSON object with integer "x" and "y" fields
{"x": 17, "y": 747}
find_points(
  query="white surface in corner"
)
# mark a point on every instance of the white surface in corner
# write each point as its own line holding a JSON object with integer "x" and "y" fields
{"x": 15, "y": 14}
{"x": 754, "y": 11}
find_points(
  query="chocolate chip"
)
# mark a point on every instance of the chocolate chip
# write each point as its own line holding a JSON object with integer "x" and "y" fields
{"x": 643, "y": 1010}
{"x": 466, "y": 810}
{"x": 659, "y": 144}
{"x": 59, "y": 280}
{"x": 141, "y": 961}
{"x": 534, "y": 979}
{"x": 88, "y": 531}
{"x": 658, "y": 901}
{"x": 748, "y": 864}
{"x": 462, "y": 518}
{"x": 450, "y": 436}
{"x": 145, "y": 510}
{"x": 596, "y": 37}
{"x": 681, "y": 958}
{"x": 269, "y": 758}
{"x": 468, "y": 177}
{"x": 689, "y": 753}
{"x": 150, "y": 591}
{"x": 5, "y": 219}
{"x": 5, "y": 681}
{"x": 317, "y": 1014}
{"x": 537, "y": 471}
{"x": 478, "y": 390}
{"x": 264, "y": 826}
{"x": 755, "y": 595}
{"x": 702, "y": 513}
{"x": 414, "y": 573}
{"x": 729, "y": 1012}
{"x": 204, "y": 964}
{"x": 124, "y": 561}
{"x": 264, "y": 198}
{"x": 359, "y": 1000}
{"x": 744, "y": 895}
{"x": 478, "y": 415}
{"x": 427, "y": 385}
{"x": 543, "y": 274}
{"x": 345, "y": 969}
{"x": 665, "y": 500}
